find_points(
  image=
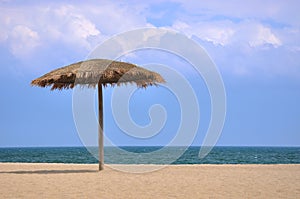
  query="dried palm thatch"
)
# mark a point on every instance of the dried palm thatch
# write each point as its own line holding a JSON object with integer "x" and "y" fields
{"x": 99, "y": 72}
{"x": 91, "y": 72}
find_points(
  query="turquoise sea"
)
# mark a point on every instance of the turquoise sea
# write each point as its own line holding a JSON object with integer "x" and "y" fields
{"x": 154, "y": 155}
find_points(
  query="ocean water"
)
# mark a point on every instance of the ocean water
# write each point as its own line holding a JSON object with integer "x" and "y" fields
{"x": 154, "y": 155}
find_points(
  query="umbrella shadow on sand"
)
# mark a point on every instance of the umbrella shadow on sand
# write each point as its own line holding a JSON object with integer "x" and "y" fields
{"x": 49, "y": 171}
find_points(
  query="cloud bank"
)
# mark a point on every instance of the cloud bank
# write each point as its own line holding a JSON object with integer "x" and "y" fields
{"x": 243, "y": 38}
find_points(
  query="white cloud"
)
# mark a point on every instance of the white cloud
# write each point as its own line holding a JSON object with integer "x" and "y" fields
{"x": 245, "y": 38}
{"x": 241, "y": 36}
{"x": 114, "y": 18}
{"x": 72, "y": 26}
{"x": 77, "y": 23}
{"x": 79, "y": 26}
{"x": 249, "y": 48}
{"x": 228, "y": 33}
{"x": 3, "y": 35}
{"x": 281, "y": 11}
{"x": 23, "y": 40}
{"x": 218, "y": 34}
{"x": 256, "y": 35}
{"x": 39, "y": 26}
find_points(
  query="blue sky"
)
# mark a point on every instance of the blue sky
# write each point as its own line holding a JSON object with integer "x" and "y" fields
{"x": 256, "y": 47}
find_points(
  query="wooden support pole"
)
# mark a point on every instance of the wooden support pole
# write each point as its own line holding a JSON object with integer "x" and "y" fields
{"x": 100, "y": 128}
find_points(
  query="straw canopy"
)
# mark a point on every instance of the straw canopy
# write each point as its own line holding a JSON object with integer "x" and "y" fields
{"x": 98, "y": 72}
{"x": 91, "y": 72}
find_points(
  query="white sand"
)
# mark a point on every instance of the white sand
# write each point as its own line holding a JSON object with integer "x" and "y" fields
{"x": 182, "y": 181}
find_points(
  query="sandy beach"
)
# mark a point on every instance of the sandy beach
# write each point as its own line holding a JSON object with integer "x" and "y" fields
{"x": 177, "y": 181}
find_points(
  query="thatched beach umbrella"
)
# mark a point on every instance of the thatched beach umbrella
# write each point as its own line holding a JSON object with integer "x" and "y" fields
{"x": 99, "y": 72}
